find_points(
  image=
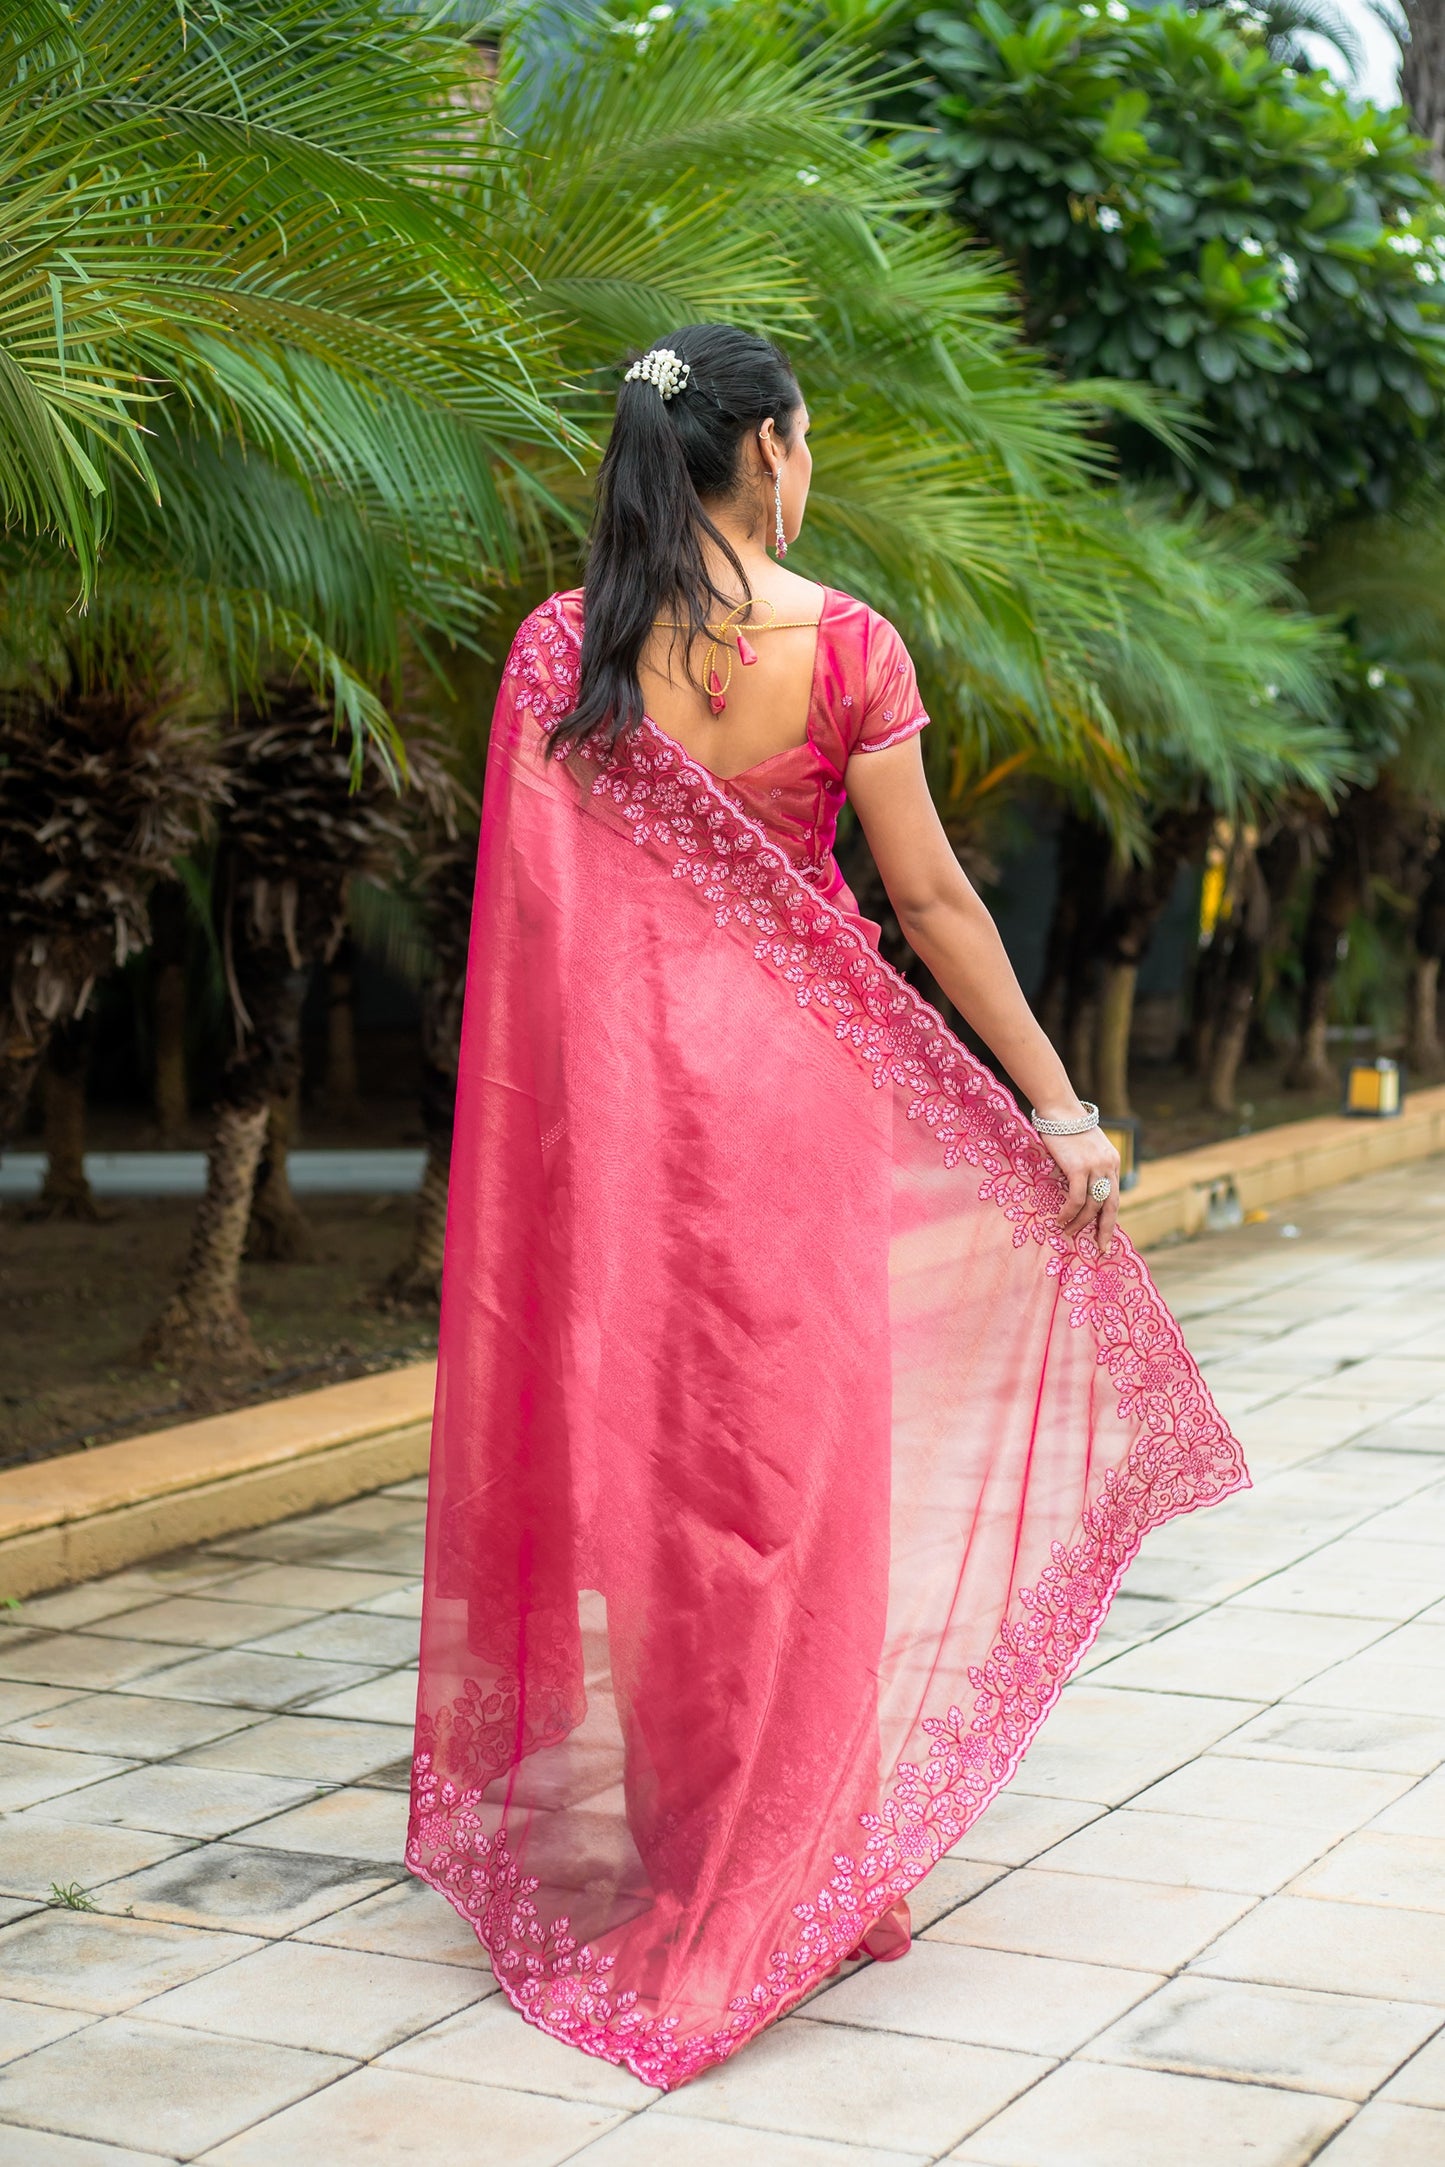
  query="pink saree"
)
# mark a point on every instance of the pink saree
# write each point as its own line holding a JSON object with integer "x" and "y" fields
{"x": 786, "y": 1457}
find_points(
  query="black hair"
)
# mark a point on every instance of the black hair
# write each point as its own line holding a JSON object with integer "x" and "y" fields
{"x": 645, "y": 556}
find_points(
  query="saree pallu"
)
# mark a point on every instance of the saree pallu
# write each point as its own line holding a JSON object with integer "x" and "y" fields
{"x": 786, "y": 1455}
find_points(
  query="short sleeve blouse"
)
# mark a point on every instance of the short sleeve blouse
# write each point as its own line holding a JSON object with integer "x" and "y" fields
{"x": 892, "y": 707}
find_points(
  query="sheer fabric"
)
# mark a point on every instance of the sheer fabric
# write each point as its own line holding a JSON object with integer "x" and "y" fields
{"x": 786, "y": 1456}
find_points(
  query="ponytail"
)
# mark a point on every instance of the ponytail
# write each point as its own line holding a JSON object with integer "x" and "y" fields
{"x": 646, "y": 556}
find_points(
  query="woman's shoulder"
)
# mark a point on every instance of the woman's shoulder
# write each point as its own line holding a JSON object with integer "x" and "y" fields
{"x": 849, "y": 619}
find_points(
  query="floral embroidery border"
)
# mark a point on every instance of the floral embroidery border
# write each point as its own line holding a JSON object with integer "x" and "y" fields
{"x": 1184, "y": 1457}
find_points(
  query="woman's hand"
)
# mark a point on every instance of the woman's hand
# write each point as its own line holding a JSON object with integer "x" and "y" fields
{"x": 1082, "y": 1160}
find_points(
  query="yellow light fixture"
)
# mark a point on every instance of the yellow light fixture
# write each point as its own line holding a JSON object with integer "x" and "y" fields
{"x": 1375, "y": 1089}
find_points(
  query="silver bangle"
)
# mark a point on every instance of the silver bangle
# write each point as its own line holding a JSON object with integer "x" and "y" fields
{"x": 1075, "y": 1126}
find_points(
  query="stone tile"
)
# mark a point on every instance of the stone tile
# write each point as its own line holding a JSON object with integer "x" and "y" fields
{"x": 129, "y": 1724}
{"x": 29, "y": 1774}
{"x": 1075, "y": 2118}
{"x": 19, "y": 1702}
{"x": 46, "y": 2148}
{"x": 83, "y": 1661}
{"x": 309, "y": 1587}
{"x": 1339, "y": 2044}
{"x": 391, "y": 2116}
{"x": 407, "y": 1919}
{"x": 180, "y": 1801}
{"x": 1190, "y": 1851}
{"x": 655, "y": 2139}
{"x": 337, "y": 2001}
{"x": 1391, "y": 1954}
{"x": 35, "y": 1851}
{"x": 871, "y": 2088}
{"x": 383, "y": 1700}
{"x": 1420, "y": 1812}
{"x": 77, "y": 1960}
{"x": 400, "y": 1552}
{"x": 68, "y": 1608}
{"x": 376, "y": 1514}
{"x": 1347, "y": 1738}
{"x": 1017, "y": 1827}
{"x": 26, "y": 2025}
{"x": 1421, "y": 2083}
{"x": 237, "y": 1678}
{"x": 154, "y": 2085}
{"x": 1386, "y": 2135}
{"x": 950, "y": 1883}
{"x": 1257, "y": 1655}
{"x": 346, "y": 1636}
{"x": 1373, "y": 1867}
{"x": 1356, "y": 1578}
{"x": 246, "y": 1891}
{"x": 1377, "y": 1681}
{"x": 490, "y": 2044}
{"x": 1106, "y": 1744}
{"x": 403, "y": 1602}
{"x": 1093, "y": 1920}
{"x": 983, "y": 1997}
{"x": 345, "y": 1824}
{"x": 181, "y": 1570}
{"x": 196, "y": 1621}
{"x": 1333, "y": 1800}
{"x": 325, "y": 1749}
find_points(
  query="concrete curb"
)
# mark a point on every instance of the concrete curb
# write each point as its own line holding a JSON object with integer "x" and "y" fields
{"x": 84, "y": 1513}
{"x": 1185, "y": 1193}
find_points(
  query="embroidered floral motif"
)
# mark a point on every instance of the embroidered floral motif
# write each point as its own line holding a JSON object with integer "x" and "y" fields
{"x": 1181, "y": 1458}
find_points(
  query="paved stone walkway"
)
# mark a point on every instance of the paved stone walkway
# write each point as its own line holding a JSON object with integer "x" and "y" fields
{"x": 1204, "y": 1928}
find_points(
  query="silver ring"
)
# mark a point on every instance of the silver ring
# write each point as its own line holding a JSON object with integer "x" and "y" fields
{"x": 1102, "y": 1189}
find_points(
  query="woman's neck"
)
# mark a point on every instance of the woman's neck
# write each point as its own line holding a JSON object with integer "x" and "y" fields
{"x": 747, "y": 543}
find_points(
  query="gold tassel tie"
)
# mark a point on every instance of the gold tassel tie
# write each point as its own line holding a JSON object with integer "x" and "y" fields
{"x": 731, "y": 633}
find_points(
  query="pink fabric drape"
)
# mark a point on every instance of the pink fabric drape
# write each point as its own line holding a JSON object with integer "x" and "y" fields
{"x": 786, "y": 1456}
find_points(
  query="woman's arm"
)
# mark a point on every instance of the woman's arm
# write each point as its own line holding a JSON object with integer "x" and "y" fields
{"x": 951, "y": 931}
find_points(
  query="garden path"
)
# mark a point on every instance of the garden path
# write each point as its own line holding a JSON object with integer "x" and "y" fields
{"x": 1205, "y": 1925}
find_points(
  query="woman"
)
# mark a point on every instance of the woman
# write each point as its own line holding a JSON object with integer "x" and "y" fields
{"x": 799, "y": 1407}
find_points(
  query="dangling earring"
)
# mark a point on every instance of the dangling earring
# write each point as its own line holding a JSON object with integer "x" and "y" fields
{"x": 780, "y": 542}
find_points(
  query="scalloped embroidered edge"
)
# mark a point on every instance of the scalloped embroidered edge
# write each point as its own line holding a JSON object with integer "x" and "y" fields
{"x": 563, "y": 1987}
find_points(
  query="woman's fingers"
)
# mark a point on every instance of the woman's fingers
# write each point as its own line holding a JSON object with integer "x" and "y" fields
{"x": 1108, "y": 1219}
{"x": 1077, "y": 1205}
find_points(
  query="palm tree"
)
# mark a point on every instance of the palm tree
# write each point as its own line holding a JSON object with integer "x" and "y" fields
{"x": 204, "y": 199}
{"x": 678, "y": 169}
{"x": 106, "y": 776}
{"x": 296, "y": 829}
{"x": 1418, "y": 28}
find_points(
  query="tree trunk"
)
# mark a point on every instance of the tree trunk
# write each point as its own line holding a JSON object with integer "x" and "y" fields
{"x": 1066, "y": 997}
{"x": 168, "y": 1009}
{"x": 417, "y": 1281}
{"x": 1111, "y": 1037}
{"x": 343, "y": 1094}
{"x": 1422, "y": 75}
{"x": 1139, "y": 899}
{"x": 66, "y": 1193}
{"x": 1424, "y": 1051}
{"x": 204, "y": 1319}
{"x": 1339, "y": 892}
{"x": 1422, "y": 1038}
{"x": 21, "y": 1054}
{"x": 1264, "y": 888}
{"x": 279, "y": 1231}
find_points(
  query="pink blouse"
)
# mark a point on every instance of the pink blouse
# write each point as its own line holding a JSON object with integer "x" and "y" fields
{"x": 865, "y": 698}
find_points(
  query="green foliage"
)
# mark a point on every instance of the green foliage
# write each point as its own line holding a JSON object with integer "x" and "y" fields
{"x": 720, "y": 163}
{"x": 1187, "y": 211}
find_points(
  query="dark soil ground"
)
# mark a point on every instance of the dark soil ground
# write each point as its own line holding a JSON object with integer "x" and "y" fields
{"x": 75, "y": 1300}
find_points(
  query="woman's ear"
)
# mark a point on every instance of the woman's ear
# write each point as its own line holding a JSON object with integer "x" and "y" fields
{"x": 770, "y": 451}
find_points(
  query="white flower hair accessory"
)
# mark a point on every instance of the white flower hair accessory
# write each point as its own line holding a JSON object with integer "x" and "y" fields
{"x": 661, "y": 367}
